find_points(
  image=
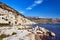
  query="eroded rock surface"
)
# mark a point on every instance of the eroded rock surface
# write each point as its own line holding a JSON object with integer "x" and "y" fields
{"x": 26, "y": 33}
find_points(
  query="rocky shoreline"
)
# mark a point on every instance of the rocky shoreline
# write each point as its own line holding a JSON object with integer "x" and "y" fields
{"x": 26, "y": 33}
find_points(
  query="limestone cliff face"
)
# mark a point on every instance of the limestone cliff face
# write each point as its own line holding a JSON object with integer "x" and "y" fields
{"x": 11, "y": 16}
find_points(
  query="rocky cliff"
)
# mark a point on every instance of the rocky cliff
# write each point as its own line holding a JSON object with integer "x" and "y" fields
{"x": 10, "y": 16}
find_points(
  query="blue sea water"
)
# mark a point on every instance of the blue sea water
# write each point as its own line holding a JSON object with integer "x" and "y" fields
{"x": 52, "y": 27}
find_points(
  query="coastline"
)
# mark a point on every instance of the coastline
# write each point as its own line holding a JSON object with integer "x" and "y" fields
{"x": 30, "y": 33}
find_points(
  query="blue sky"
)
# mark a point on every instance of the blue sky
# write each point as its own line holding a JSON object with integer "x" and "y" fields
{"x": 41, "y": 8}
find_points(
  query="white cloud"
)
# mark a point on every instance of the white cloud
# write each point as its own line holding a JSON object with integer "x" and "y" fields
{"x": 36, "y": 2}
{"x": 29, "y": 8}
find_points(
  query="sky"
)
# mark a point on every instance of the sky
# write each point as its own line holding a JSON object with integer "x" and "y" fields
{"x": 39, "y": 8}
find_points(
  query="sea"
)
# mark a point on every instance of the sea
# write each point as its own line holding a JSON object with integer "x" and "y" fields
{"x": 51, "y": 27}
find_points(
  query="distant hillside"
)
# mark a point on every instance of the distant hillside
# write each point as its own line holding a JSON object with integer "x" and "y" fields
{"x": 44, "y": 20}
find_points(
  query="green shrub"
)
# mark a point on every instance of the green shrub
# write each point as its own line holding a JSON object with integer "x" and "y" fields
{"x": 4, "y": 36}
{"x": 1, "y": 38}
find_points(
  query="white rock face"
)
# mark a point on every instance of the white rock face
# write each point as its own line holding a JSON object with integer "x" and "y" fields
{"x": 13, "y": 18}
{"x": 19, "y": 36}
{"x": 23, "y": 34}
